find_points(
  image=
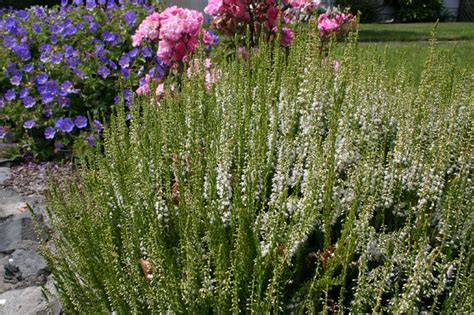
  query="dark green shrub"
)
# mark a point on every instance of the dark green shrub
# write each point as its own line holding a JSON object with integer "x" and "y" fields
{"x": 368, "y": 9}
{"x": 420, "y": 10}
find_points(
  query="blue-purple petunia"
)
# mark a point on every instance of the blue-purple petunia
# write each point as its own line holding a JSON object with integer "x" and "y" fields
{"x": 98, "y": 127}
{"x": 80, "y": 121}
{"x": 10, "y": 95}
{"x": 24, "y": 92}
{"x": 29, "y": 102}
{"x": 28, "y": 124}
{"x": 104, "y": 72}
{"x": 28, "y": 67}
{"x": 49, "y": 133}
{"x": 42, "y": 78}
{"x": 65, "y": 124}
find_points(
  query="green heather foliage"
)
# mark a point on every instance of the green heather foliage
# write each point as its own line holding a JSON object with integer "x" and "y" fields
{"x": 289, "y": 188}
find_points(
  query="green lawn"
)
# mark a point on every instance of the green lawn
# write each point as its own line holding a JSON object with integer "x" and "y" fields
{"x": 455, "y": 31}
{"x": 408, "y": 44}
{"x": 413, "y": 54}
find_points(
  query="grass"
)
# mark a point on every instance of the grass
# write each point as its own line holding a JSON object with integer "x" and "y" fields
{"x": 413, "y": 54}
{"x": 408, "y": 44}
{"x": 454, "y": 31}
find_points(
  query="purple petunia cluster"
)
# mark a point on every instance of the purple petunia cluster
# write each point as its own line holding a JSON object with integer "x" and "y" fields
{"x": 51, "y": 55}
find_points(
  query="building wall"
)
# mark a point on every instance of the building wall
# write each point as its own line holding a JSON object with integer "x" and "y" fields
{"x": 452, "y": 6}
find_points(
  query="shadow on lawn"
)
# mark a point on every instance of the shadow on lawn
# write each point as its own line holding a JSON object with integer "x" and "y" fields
{"x": 406, "y": 36}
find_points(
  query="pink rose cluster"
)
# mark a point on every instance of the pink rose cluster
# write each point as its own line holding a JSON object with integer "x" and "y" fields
{"x": 336, "y": 23}
{"x": 232, "y": 16}
{"x": 231, "y": 8}
{"x": 176, "y": 30}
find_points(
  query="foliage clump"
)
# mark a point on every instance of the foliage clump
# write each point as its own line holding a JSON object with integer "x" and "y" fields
{"x": 290, "y": 186}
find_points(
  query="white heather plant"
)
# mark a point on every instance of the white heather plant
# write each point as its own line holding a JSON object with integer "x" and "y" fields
{"x": 290, "y": 187}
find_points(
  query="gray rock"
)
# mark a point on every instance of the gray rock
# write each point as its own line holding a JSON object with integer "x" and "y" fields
{"x": 4, "y": 174}
{"x": 20, "y": 228}
{"x": 9, "y": 202}
{"x": 27, "y": 301}
{"x": 5, "y": 286}
{"x": 30, "y": 267}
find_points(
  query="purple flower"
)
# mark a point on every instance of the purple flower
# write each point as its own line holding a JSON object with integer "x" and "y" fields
{"x": 65, "y": 124}
{"x": 23, "y": 51}
{"x": 22, "y": 14}
{"x": 124, "y": 61}
{"x": 93, "y": 27}
{"x": 42, "y": 78}
{"x": 39, "y": 11}
{"x": 112, "y": 65}
{"x": 55, "y": 29}
{"x": 72, "y": 62}
{"x": 130, "y": 18}
{"x": 28, "y": 67}
{"x": 79, "y": 2}
{"x": 3, "y": 132}
{"x": 90, "y": 139}
{"x": 125, "y": 72}
{"x": 64, "y": 101}
{"x": 24, "y": 92}
{"x": 79, "y": 73}
{"x": 52, "y": 87}
{"x": 90, "y": 4}
{"x": 28, "y": 124}
{"x": 11, "y": 67}
{"x": 98, "y": 127}
{"x": 111, "y": 5}
{"x": 57, "y": 58}
{"x": 69, "y": 31}
{"x": 10, "y": 95}
{"x": 127, "y": 94}
{"x": 47, "y": 111}
{"x": 64, "y": 3}
{"x": 54, "y": 39}
{"x": 104, "y": 72}
{"x": 2, "y": 101}
{"x": 89, "y": 18}
{"x": 29, "y": 102}
{"x": 49, "y": 133}
{"x": 36, "y": 28}
{"x": 16, "y": 78}
{"x": 68, "y": 50}
{"x": 9, "y": 42}
{"x": 68, "y": 87}
{"x": 80, "y": 121}
{"x": 47, "y": 98}
{"x": 133, "y": 53}
{"x": 109, "y": 37}
{"x": 46, "y": 48}
{"x": 147, "y": 52}
{"x": 157, "y": 72}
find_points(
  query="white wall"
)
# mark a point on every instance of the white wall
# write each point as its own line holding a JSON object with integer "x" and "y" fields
{"x": 452, "y": 6}
{"x": 190, "y": 4}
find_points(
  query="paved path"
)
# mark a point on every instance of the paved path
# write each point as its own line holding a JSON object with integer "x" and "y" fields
{"x": 23, "y": 272}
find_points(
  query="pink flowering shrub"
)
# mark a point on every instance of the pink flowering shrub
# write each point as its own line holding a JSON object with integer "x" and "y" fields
{"x": 271, "y": 17}
{"x": 176, "y": 33}
{"x": 337, "y": 24}
{"x": 175, "y": 30}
